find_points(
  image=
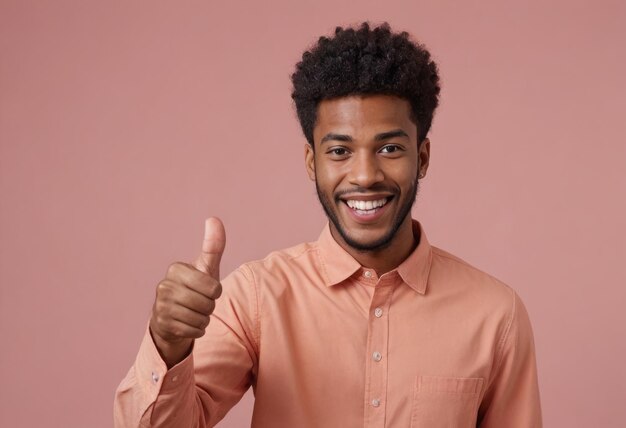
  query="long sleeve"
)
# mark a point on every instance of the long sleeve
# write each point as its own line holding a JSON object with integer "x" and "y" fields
{"x": 512, "y": 398}
{"x": 198, "y": 391}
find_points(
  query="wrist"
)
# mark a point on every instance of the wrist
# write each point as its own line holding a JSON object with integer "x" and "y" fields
{"x": 171, "y": 353}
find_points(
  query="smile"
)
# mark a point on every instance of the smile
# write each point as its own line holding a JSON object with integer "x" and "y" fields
{"x": 366, "y": 207}
{"x": 366, "y": 210}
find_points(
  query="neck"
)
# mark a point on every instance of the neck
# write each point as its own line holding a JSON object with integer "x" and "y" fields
{"x": 387, "y": 258}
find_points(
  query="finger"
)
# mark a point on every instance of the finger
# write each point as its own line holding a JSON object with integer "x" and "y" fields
{"x": 179, "y": 330}
{"x": 212, "y": 247}
{"x": 193, "y": 279}
{"x": 196, "y": 302}
{"x": 189, "y": 317}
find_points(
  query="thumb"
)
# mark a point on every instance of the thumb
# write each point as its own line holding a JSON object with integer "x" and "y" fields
{"x": 212, "y": 248}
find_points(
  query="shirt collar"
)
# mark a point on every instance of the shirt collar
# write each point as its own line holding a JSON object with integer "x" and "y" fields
{"x": 338, "y": 265}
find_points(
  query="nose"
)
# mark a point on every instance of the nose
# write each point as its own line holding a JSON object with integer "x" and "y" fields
{"x": 365, "y": 171}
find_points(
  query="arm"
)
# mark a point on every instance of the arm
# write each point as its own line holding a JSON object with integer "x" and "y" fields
{"x": 512, "y": 397}
{"x": 171, "y": 386}
{"x": 199, "y": 390}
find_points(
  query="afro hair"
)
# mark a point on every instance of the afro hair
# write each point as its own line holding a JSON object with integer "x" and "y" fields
{"x": 366, "y": 61}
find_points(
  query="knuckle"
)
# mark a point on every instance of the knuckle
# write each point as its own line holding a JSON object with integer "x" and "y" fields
{"x": 171, "y": 269}
{"x": 161, "y": 288}
{"x": 160, "y": 306}
{"x": 216, "y": 290}
{"x": 160, "y": 323}
{"x": 164, "y": 288}
{"x": 168, "y": 291}
{"x": 156, "y": 309}
{"x": 174, "y": 269}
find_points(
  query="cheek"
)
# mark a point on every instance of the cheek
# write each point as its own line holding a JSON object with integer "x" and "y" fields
{"x": 328, "y": 176}
{"x": 403, "y": 174}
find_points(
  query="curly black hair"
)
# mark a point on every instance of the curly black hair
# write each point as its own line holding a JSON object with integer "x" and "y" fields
{"x": 366, "y": 61}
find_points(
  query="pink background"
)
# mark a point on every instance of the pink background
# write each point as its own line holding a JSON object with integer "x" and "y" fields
{"x": 124, "y": 124}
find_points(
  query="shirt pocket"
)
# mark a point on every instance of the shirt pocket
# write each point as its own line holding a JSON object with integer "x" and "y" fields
{"x": 445, "y": 402}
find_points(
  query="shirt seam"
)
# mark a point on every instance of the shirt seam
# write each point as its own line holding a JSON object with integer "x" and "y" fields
{"x": 453, "y": 258}
{"x": 506, "y": 335}
{"x": 248, "y": 272}
{"x": 441, "y": 253}
{"x": 257, "y": 322}
{"x": 308, "y": 247}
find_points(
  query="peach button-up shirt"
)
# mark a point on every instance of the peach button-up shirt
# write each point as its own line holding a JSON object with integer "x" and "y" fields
{"x": 325, "y": 342}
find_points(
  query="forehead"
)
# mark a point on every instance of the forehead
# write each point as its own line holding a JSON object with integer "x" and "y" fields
{"x": 356, "y": 114}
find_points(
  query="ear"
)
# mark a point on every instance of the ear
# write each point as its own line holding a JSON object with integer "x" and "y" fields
{"x": 423, "y": 155}
{"x": 309, "y": 161}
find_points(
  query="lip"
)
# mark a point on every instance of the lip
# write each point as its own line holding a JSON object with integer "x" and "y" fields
{"x": 368, "y": 197}
{"x": 366, "y": 218}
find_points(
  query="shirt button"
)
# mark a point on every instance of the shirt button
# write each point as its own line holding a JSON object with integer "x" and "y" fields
{"x": 375, "y": 402}
{"x": 378, "y": 312}
{"x": 175, "y": 378}
{"x": 368, "y": 274}
{"x": 376, "y": 356}
{"x": 155, "y": 377}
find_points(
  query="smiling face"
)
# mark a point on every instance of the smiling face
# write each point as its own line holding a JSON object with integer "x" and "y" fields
{"x": 366, "y": 165}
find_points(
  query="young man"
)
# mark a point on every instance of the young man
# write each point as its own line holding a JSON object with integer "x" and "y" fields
{"x": 370, "y": 325}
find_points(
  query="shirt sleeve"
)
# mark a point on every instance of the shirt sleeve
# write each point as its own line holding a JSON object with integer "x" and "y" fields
{"x": 512, "y": 397}
{"x": 198, "y": 391}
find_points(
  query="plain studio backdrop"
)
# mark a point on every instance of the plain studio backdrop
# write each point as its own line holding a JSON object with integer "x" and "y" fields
{"x": 124, "y": 124}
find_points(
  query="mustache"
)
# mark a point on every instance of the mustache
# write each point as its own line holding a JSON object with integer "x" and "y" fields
{"x": 365, "y": 190}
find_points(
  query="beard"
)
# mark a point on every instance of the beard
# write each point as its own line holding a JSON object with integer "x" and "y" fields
{"x": 383, "y": 242}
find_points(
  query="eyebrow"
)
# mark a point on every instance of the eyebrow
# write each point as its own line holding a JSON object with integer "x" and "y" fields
{"x": 379, "y": 137}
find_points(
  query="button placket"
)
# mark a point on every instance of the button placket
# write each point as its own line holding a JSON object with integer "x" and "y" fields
{"x": 376, "y": 365}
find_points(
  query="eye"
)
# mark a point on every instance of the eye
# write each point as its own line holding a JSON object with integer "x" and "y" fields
{"x": 391, "y": 148}
{"x": 338, "y": 152}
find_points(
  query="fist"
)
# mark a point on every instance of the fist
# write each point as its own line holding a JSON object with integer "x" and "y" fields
{"x": 185, "y": 298}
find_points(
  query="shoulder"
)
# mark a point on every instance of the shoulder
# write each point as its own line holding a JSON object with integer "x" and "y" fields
{"x": 286, "y": 258}
{"x": 451, "y": 274}
{"x": 281, "y": 266}
{"x": 479, "y": 295}
{"x": 247, "y": 287}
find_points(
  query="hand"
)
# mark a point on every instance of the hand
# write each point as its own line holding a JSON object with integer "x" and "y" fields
{"x": 186, "y": 297}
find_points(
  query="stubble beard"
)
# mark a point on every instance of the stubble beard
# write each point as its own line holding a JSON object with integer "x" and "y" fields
{"x": 384, "y": 241}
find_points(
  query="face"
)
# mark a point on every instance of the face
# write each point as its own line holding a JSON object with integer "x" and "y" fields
{"x": 366, "y": 165}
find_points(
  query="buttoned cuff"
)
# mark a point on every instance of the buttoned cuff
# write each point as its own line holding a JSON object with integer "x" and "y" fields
{"x": 152, "y": 372}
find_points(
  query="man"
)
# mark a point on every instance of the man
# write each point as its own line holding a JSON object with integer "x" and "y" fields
{"x": 370, "y": 325}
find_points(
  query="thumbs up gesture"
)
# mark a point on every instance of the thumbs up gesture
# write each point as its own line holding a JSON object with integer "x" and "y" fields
{"x": 212, "y": 248}
{"x": 185, "y": 298}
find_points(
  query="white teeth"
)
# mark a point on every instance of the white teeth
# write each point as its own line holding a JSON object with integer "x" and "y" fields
{"x": 366, "y": 205}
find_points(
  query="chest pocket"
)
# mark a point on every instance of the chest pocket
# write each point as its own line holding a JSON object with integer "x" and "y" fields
{"x": 445, "y": 402}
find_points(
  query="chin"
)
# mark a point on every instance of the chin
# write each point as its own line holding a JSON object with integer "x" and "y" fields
{"x": 367, "y": 243}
